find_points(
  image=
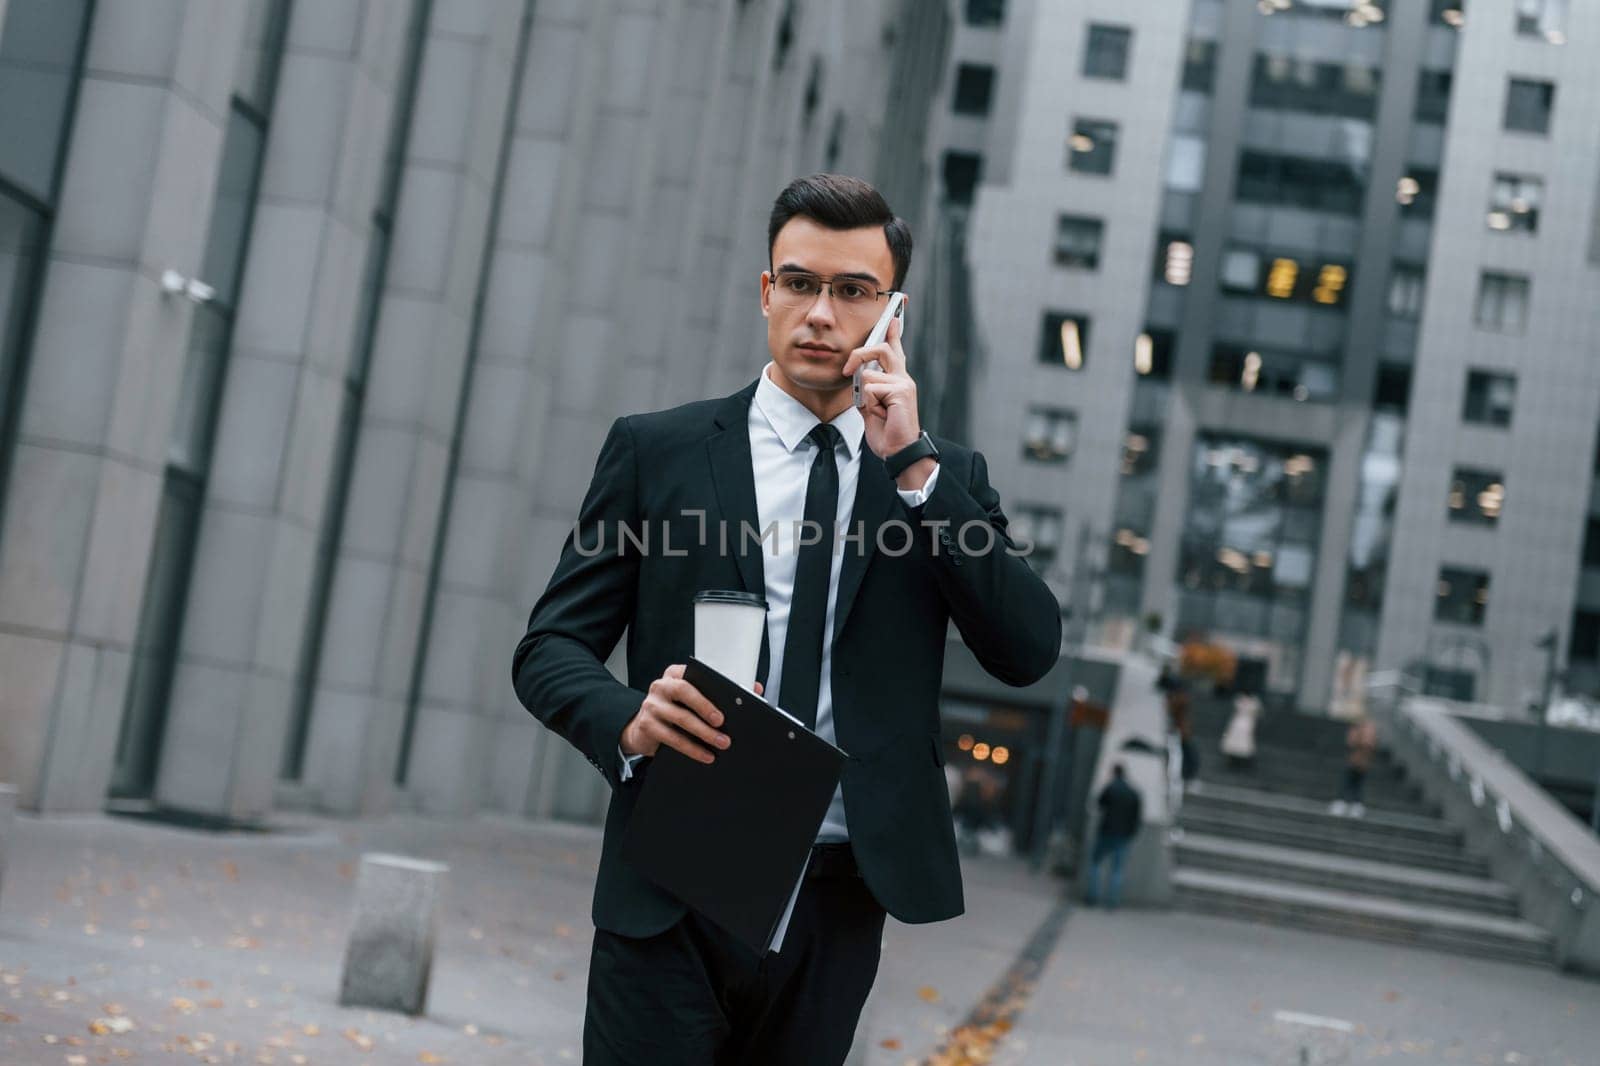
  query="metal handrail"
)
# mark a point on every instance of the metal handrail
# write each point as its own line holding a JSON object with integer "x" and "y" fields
{"x": 1556, "y": 874}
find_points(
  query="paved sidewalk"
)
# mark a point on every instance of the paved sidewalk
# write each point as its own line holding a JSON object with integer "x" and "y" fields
{"x": 1162, "y": 987}
{"x": 130, "y": 942}
{"x": 184, "y": 946}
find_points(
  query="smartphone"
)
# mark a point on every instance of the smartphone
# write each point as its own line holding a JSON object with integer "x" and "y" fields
{"x": 896, "y": 309}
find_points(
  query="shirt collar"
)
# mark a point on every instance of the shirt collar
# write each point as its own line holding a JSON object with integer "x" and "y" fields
{"x": 791, "y": 421}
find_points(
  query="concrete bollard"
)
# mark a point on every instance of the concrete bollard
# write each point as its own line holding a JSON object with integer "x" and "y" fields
{"x": 8, "y": 824}
{"x": 390, "y": 953}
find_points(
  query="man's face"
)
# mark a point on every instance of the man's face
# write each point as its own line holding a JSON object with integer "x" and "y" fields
{"x": 811, "y": 339}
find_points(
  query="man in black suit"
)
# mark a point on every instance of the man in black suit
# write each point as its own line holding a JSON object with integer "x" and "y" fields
{"x": 856, "y": 633}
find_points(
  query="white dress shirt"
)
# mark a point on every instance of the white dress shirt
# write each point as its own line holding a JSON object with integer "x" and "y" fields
{"x": 781, "y": 457}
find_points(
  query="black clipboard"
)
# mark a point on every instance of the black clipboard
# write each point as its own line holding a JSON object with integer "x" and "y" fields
{"x": 731, "y": 839}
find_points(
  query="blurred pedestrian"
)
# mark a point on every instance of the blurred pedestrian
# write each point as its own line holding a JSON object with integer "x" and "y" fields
{"x": 1239, "y": 739}
{"x": 1181, "y": 723}
{"x": 1121, "y": 815}
{"x": 1361, "y": 744}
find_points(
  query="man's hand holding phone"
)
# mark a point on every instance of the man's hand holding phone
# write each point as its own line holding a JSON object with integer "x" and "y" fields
{"x": 890, "y": 410}
{"x": 674, "y": 713}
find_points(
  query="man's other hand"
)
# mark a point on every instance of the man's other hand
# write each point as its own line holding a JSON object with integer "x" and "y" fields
{"x": 674, "y": 713}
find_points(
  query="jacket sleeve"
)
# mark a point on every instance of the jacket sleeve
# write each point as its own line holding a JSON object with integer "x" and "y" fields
{"x": 1006, "y": 613}
{"x": 559, "y": 666}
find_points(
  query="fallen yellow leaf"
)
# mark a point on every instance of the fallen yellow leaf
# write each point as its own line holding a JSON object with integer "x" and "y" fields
{"x": 928, "y": 994}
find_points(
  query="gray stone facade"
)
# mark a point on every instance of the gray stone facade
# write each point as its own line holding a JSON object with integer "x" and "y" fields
{"x": 1199, "y": 81}
{"x": 476, "y": 232}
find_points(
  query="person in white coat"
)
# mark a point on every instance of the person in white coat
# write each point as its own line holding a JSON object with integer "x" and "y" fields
{"x": 1239, "y": 739}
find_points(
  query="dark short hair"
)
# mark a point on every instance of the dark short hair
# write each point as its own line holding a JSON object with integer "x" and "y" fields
{"x": 838, "y": 201}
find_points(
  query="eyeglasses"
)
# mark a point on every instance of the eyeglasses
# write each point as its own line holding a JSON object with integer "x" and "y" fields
{"x": 792, "y": 288}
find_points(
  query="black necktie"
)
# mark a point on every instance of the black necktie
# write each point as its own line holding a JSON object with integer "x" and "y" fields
{"x": 808, "y": 606}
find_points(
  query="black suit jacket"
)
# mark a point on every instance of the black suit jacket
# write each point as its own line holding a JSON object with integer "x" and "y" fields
{"x": 675, "y": 472}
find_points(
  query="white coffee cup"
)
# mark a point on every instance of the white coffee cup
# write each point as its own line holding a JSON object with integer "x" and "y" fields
{"x": 728, "y": 627}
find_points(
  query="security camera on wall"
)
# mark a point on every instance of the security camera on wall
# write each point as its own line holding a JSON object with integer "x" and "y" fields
{"x": 197, "y": 291}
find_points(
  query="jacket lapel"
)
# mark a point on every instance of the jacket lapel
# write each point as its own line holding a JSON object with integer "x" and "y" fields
{"x": 875, "y": 500}
{"x": 733, "y": 478}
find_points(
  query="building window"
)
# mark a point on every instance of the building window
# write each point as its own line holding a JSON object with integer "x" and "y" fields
{"x": 1050, "y": 435}
{"x": 985, "y": 12}
{"x": 1392, "y": 390}
{"x": 41, "y": 50}
{"x": 1064, "y": 339}
{"x": 962, "y": 170}
{"x": 1247, "y": 553}
{"x": 1105, "y": 54}
{"x": 1546, "y": 19}
{"x": 1433, "y": 96}
{"x": 1174, "y": 261}
{"x": 1585, "y": 643}
{"x": 1448, "y": 13}
{"x": 1462, "y": 596}
{"x": 974, "y": 87}
{"x": 1186, "y": 163}
{"x": 1039, "y": 526}
{"x": 1078, "y": 241}
{"x": 1093, "y": 147}
{"x": 1357, "y": 13}
{"x": 1152, "y": 354}
{"x": 1417, "y": 192}
{"x": 1514, "y": 202}
{"x": 1254, "y": 272}
{"x": 1406, "y": 284}
{"x": 1502, "y": 302}
{"x": 1302, "y": 378}
{"x": 1528, "y": 105}
{"x": 1293, "y": 181}
{"x": 1288, "y": 83}
{"x": 1591, "y": 543}
{"x": 1490, "y": 397}
{"x": 1200, "y": 66}
{"x": 1476, "y": 496}
{"x": 785, "y": 40}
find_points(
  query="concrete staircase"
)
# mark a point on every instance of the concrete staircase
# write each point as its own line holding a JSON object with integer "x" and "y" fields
{"x": 1262, "y": 845}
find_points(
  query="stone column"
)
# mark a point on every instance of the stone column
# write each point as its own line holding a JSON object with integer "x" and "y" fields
{"x": 419, "y": 367}
{"x": 233, "y": 686}
{"x": 141, "y": 171}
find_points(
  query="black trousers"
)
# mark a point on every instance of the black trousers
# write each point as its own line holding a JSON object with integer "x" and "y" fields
{"x": 694, "y": 996}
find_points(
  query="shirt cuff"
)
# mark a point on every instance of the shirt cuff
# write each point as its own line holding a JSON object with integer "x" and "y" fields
{"x": 628, "y": 762}
{"x": 918, "y": 497}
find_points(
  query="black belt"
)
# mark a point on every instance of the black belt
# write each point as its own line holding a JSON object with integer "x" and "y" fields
{"x": 832, "y": 860}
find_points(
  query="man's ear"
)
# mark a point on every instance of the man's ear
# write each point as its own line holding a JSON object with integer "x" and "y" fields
{"x": 766, "y": 295}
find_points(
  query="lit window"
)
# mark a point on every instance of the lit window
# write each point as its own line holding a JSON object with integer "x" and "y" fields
{"x": 1476, "y": 496}
{"x": 1064, "y": 339}
{"x": 1092, "y": 148}
{"x": 1514, "y": 203}
{"x": 1174, "y": 258}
